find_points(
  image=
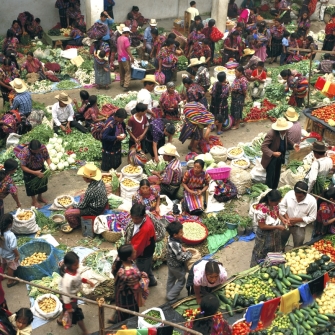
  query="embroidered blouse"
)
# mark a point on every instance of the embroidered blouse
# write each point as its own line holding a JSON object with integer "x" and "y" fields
{"x": 195, "y": 92}
{"x": 7, "y": 186}
{"x": 31, "y": 160}
{"x": 240, "y": 85}
{"x": 169, "y": 101}
{"x": 150, "y": 202}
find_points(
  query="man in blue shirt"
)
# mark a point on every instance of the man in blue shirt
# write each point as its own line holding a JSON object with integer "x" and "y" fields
{"x": 147, "y": 38}
{"x": 108, "y": 7}
{"x": 22, "y": 101}
{"x": 107, "y": 20}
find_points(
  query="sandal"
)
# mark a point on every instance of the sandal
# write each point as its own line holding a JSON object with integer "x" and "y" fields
{"x": 12, "y": 284}
{"x": 220, "y": 132}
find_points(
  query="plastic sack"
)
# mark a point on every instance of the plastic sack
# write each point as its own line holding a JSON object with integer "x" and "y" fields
{"x": 232, "y": 156}
{"x": 43, "y": 269}
{"x": 160, "y": 77}
{"x": 164, "y": 209}
{"x": 57, "y": 204}
{"x": 130, "y": 106}
{"x": 41, "y": 54}
{"x": 289, "y": 178}
{"x": 97, "y": 31}
{"x": 219, "y": 153}
{"x": 37, "y": 311}
{"x": 69, "y": 53}
{"x": 207, "y": 146}
{"x": 67, "y": 320}
{"x": 24, "y": 226}
{"x": 196, "y": 255}
{"x": 258, "y": 173}
{"x": 13, "y": 139}
{"x": 143, "y": 324}
{"x": 244, "y": 167}
{"x": 128, "y": 192}
{"x": 137, "y": 156}
{"x": 241, "y": 179}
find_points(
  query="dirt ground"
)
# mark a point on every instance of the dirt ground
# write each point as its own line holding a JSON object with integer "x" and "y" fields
{"x": 235, "y": 257}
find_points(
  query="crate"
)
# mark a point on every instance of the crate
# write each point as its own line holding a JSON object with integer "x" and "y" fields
{"x": 137, "y": 73}
{"x": 313, "y": 126}
{"x": 329, "y": 137}
{"x": 87, "y": 226}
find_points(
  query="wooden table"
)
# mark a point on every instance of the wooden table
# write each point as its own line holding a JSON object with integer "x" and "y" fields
{"x": 53, "y": 39}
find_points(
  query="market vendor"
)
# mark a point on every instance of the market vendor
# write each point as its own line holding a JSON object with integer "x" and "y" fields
{"x": 233, "y": 47}
{"x": 321, "y": 166}
{"x": 77, "y": 35}
{"x": 294, "y": 133}
{"x": 94, "y": 201}
{"x": 111, "y": 140}
{"x": 329, "y": 41}
{"x": 157, "y": 43}
{"x": 92, "y": 113}
{"x": 304, "y": 24}
{"x": 62, "y": 115}
{"x": 274, "y": 148}
{"x": 296, "y": 210}
{"x": 16, "y": 29}
{"x": 33, "y": 65}
{"x": 32, "y": 158}
{"x": 148, "y": 196}
{"x": 22, "y": 100}
{"x": 169, "y": 102}
{"x": 8, "y": 73}
{"x": 140, "y": 233}
{"x": 250, "y": 59}
{"x": 195, "y": 183}
{"x": 326, "y": 65}
{"x": 7, "y": 185}
{"x": 201, "y": 49}
{"x": 144, "y": 95}
{"x": 62, "y": 6}
{"x": 204, "y": 277}
{"x": 298, "y": 84}
{"x": 196, "y": 119}
{"x": 170, "y": 178}
{"x": 194, "y": 92}
{"x": 158, "y": 129}
{"x": 136, "y": 15}
{"x": 35, "y": 29}
{"x": 167, "y": 60}
{"x": 194, "y": 36}
{"x": 269, "y": 227}
{"x": 258, "y": 78}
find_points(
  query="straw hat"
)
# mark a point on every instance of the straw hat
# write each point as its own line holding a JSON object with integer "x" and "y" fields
{"x": 125, "y": 30}
{"x": 150, "y": 78}
{"x": 169, "y": 150}
{"x": 90, "y": 171}
{"x": 19, "y": 85}
{"x": 282, "y": 124}
{"x": 153, "y": 22}
{"x": 291, "y": 114}
{"x": 64, "y": 98}
{"x": 102, "y": 58}
{"x": 319, "y": 146}
{"x": 120, "y": 27}
{"x": 202, "y": 60}
{"x": 193, "y": 62}
{"x": 248, "y": 52}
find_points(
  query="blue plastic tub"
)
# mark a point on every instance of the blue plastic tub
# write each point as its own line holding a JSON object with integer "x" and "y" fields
{"x": 137, "y": 73}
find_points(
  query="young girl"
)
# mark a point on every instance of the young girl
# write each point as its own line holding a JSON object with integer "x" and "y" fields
{"x": 209, "y": 321}
{"x": 138, "y": 126}
{"x": 91, "y": 112}
{"x": 8, "y": 248}
{"x": 21, "y": 321}
{"x": 84, "y": 95}
{"x": 129, "y": 283}
{"x": 70, "y": 283}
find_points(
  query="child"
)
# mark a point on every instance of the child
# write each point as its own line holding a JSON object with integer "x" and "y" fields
{"x": 176, "y": 258}
{"x": 138, "y": 126}
{"x": 210, "y": 321}
{"x": 131, "y": 285}
{"x": 284, "y": 53}
{"x": 8, "y": 248}
{"x": 70, "y": 283}
{"x": 257, "y": 79}
{"x": 84, "y": 95}
{"x": 21, "y": 321}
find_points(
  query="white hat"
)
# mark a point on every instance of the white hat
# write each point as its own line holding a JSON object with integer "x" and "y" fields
{"x": 120, "y": 28}
{"x": 125, "y": 30}
{"x": 19, "y": 85}
{"x": 282, "y": 124}
{"x": 153, "y": 22}
{"x": 193, "y": 62}
{"x": 168, "y": 150}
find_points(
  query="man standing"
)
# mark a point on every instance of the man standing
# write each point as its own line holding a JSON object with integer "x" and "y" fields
{"x": 147, "y": 38}
{"x": 106, "y": 20}
{"x": 62, "y": 115}
{"x": 124, "y": 58}
{"x": 296, "y": 210}
{"x": 273, "y": 148}
{"x": 22, "y": 101}
{"x": 144, "y": 95}
{"x": 192, "y": 10}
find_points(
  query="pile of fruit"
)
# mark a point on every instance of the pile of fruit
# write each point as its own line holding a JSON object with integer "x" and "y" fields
{"x": 129, "y": 183}
{"x": 191, "y": 313}
{"x": 106, "y": 179}
{"x": 47, "y": 305}
{"x": 35, "y": 258}
{"x": 325, "y": 113}
{"x": 131, "y": 169}
{"x": 325, "y": 247}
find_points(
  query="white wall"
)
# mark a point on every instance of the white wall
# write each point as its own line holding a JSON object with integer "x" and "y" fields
{"x": 46, "y": 11}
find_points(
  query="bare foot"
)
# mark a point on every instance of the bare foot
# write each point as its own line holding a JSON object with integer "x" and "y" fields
{"x": 40, "y": 199}
{"x": 36, "y": 204}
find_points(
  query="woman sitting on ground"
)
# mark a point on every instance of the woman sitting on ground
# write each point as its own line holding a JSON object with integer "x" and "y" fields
{"x": 136, "y": 15}
{"x": 147, "y": 196}
{"x": 84, "y": 95}
{"x": 8, "y": 72}
{"x": 94, "y": 201}
{"x": 33, "y": 65}
{"x": 91, "y": 112}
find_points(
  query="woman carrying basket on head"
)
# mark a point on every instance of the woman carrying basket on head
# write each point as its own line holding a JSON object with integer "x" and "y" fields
{"x": 32, "y": 158}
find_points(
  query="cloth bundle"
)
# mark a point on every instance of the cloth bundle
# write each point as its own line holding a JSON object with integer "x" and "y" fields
{"x": 137, "y": 156}
{"x": 197, "y": 113}
{"x": 207, "y": 146}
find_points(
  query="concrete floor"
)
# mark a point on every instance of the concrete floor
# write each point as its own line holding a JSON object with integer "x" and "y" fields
{"x": 235, "y": 257}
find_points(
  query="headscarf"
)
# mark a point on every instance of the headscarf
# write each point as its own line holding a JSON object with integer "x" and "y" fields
{"x": 170, "y": 84}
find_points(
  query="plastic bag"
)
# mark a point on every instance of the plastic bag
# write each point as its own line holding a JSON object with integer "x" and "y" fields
{"x": 136, "y": 176}
{"x": 67, "y": 320}
{"x": 143, "y": 324}
{"x": 36, "y": 117}
{"x": 12, "y": 140}
{"x": 130, "y": 106}
{"x": 164, "y": 209}
{"x": 241, "y": 179}
{"x": 160, "y": 77}
{"x": 289, "y": 178}
{"x": 37, "y": 311}
{"x": 219, "y": 153}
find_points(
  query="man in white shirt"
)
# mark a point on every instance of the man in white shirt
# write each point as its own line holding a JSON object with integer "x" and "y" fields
{"x": 321, "y": 166}
{"x": 62, "y": 115}
{"x": 296, "y": 210}
{"x": 144, "y": 95}
{"x": 192, "y": 10}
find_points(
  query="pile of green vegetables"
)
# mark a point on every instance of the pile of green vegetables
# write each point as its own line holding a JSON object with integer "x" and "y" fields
{"x": 154, "y": 314}
{"x": 18, "y": 175}
{"x": 67, "y": 85}
{"x": 182, "y": 63}
{"x": 114, "y": 201}
{"x": 46, "y": 224}
{"x": 100, "y": 262}
{"x": 278, "y": 111}
{"x": 257, "y": 189}
{"x": 275, "y": 92}
{"x": 49, "y": 282}
{"x": 294, "y": 164}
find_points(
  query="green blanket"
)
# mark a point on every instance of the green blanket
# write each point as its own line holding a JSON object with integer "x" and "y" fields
{"x": 217, "y": 241}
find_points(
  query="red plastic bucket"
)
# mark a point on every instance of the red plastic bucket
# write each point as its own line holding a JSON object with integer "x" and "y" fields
{"x": 320, "y": 83}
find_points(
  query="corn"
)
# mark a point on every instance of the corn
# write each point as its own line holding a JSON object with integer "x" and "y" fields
{"x": 193, "y": 231}
{"x": 241, "y": 162}
{"x": 64, "y": 201}
{"x": 107, "y": 179}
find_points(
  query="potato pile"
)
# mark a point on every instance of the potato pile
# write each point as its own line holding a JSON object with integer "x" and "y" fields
{"x": 235, "y": 152}
{"x": 299, "y": 261}
{"x": 64, "y": 201}
{"x": 35, "y": 258}
{"x": 47, "y": 305}
{"x": 132, "y": 169}
{"x": 106, "y": 179}
{"x": 129, "y": 183}
{"x": 24, "y": 216}
{"x": 241, "y": 162}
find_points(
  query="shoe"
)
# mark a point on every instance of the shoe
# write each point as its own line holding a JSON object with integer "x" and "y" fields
{"x": 126, "y": 89}
{"x": 153, "y": 284}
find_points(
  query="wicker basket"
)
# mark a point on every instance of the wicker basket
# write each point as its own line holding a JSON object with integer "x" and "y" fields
{"x": 111, "y": 236}
{"x": 329, "y": 136}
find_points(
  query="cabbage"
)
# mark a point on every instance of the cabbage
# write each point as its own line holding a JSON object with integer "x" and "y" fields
{"x": 212, "y": 166}
{"x": 39, "y": 43}
{"x": 53, "y": 153}
{"x": 52, "y": 140}
{"x": 221, "y": 164}
{"x": 53, "y": 167}
{"x": 66, "y": 164}
{"x": 73, "y": 156}
{"x": 208, "y": 158}
{"x": 59, "y": 140}
{"x": 326, "y": 101}
{"x": 49, "y": 146}
{"x": 55, "y": 160}
{"x": 202, "y": 157}
{"x": 71, "y": 160}
{"x": 60, "y": 166}
{"x": 59, "y": 155}
{"x": 58, "y": 147}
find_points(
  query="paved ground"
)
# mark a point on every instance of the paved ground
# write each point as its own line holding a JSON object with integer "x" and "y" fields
{"x": 235, "y": 257}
